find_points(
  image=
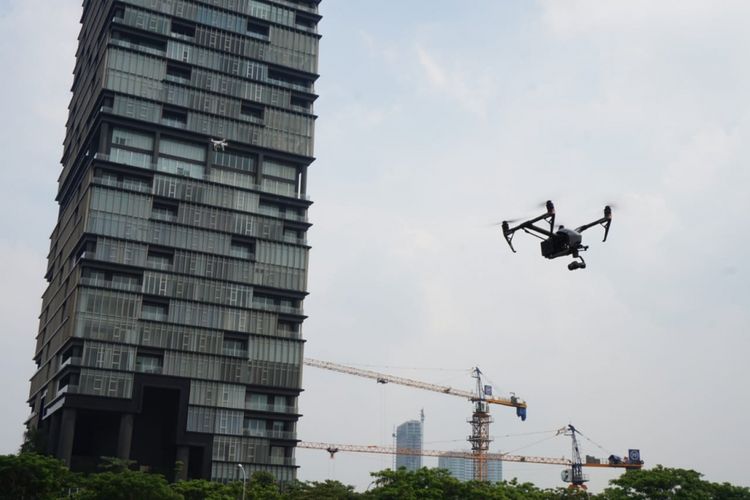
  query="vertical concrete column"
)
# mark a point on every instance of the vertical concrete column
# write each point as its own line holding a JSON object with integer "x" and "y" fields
{"x": 125, "y": 437}
{"x": 103, "y": 138}
{"x": 303, "y": 182}
{"x": 67, "y": 435}
{"x": 53, "y": 435}
{"x": 259, "y": 170}
{"x": 183, "y": 455}
{"x": 155, "y": 152}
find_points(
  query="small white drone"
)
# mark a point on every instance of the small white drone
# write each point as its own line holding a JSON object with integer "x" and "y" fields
{"x": 219, "y": 144}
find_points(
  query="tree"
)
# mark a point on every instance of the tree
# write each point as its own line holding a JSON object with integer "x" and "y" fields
{"x": 34, "y": 441}
{"x": 126, "y": 484}
{"x": 439, "y": 484}
{"x": 326, "y": 490}
{"x": 29, "y": 476}
{"x": 200, "y": 489}
{"x": 662, "y": 483}
{"x": 423, "y": 483}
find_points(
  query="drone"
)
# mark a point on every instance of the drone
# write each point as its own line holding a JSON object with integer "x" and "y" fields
{"x": 558, "y": 243}
{"x": 219, "y": 144}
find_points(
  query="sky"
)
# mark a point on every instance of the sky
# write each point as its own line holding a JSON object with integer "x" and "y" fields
{"x": 437, "y": 119}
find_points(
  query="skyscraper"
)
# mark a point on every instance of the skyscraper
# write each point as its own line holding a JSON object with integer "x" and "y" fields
{"x": 170, "y": 329}
{"x": 463, "y": 468}
{"x": 410, "y": 435}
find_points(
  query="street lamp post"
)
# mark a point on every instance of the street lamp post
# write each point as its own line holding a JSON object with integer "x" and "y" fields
{"x": 244, "y": 479}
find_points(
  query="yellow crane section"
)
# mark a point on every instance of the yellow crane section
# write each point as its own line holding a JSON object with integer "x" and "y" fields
{"x": 334, "y": 448}
{"x": 384, "y": 378}
{"x": 390, "y": 450}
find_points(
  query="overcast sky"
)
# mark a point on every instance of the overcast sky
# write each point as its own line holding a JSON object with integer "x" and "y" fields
{"x": 436, "y": 119}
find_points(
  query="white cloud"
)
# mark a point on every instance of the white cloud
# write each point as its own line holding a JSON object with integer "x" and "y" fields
{"x": 453, "y": 79}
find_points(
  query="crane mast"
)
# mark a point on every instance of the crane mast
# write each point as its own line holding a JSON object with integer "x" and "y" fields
{"x": 480, "y": 430}
{"x": 577, "y": 477}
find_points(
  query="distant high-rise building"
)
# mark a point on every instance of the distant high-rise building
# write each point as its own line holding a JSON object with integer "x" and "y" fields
{"x": 410, "y": 435}
{"x": 170, "y": 329}
{"x": 463, "y": 468}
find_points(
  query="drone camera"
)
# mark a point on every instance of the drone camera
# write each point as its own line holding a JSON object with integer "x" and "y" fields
{"x": 576, "y": 265}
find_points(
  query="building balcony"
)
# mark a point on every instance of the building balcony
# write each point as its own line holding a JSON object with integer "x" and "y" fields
{"x": 71, "y": 361}
{"x": 290, "y": 461}
{"x": 271, "y": 434}
{"x": 113, "y": 285}
{"x": 280, "y": 408}
{"x": 68, "y": 389}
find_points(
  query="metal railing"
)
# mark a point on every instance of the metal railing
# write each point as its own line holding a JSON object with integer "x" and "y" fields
{"x": 270, "y": 408}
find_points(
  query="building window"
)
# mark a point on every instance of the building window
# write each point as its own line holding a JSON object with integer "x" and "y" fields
{"x": 178, "y": 73}
{"x": 159, "y": 259}
{"x": 242, "y": 249}
{"x": 258, "y": 30}
{"x": 154, "y": 311}
{"x": 131, "y": 139}
{"x": 234, "y": 347}
{"x": 174, "y": 118}
{"x": 149, "y": 363}
{"x": 252, "y": 112}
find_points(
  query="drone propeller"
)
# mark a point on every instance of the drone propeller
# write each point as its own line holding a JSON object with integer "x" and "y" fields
{"x": 507, "y": 221}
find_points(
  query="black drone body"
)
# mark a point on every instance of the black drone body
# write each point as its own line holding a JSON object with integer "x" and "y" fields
{"x": 558, "y": 243}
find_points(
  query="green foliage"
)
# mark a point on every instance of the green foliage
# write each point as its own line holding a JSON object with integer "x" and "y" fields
{"x": 261, "y": 486}
{"x": 200, "y": 489}
{"x": 34, "y": 441}
{"x": 29, "y": 476}
{"x": 663, "y": 483}
{"x": 326, "y": 490}
{"x": 423, "y": 483}
{"x": 439, "y": 484}
{"x": 125, "y": 484}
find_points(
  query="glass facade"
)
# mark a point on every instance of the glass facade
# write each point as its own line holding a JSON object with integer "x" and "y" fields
{"x": 178, "y": 266}
{"x": 463, "y": 468}
{"x": 409, "y": 435}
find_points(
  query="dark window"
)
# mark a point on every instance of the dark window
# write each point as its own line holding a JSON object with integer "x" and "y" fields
{"x": 300, "y": 102}
{"x": 164, "y": 210}
{"x": 258, "y": 29}
{"x": 184, "y": 29}
{"x": 254, "y": 111}
{"x": 289, "y": 79}
{"x": 305, "y": 21}
{"x": 178, "y": 72}
{"x": 174, "y": 117}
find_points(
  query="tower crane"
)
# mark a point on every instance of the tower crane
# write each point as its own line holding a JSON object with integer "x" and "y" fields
{"x": 575, "y": 476}
{"x": 482, "y": 397}
{"x": 572, "y": 474}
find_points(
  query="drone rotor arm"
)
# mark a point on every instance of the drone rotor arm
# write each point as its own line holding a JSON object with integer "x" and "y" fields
{"x": 528, "y": 226}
